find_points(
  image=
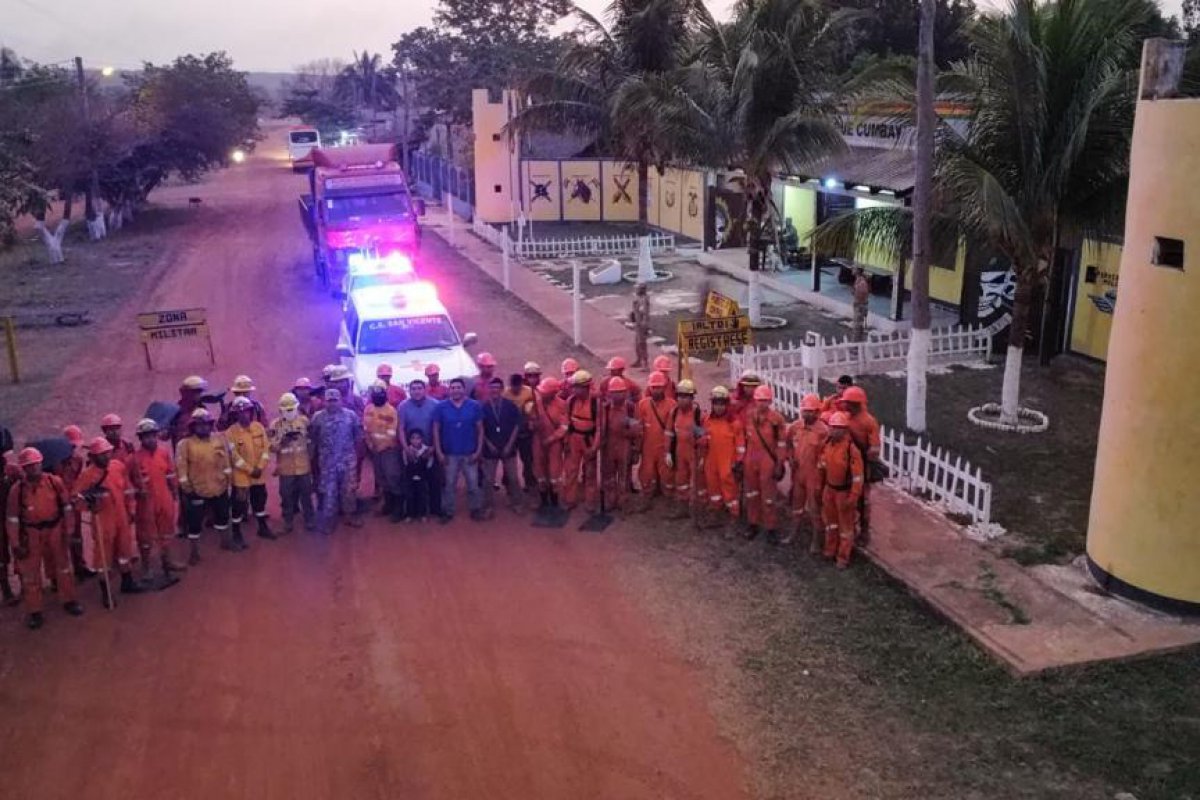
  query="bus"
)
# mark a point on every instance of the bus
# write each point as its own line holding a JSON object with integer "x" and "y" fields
{"x": 301, "y": 142}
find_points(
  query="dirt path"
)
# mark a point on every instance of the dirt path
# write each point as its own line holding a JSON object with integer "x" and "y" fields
{"x": 461, "y": 662}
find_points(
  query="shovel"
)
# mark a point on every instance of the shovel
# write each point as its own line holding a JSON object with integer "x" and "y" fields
{"x": 599, "y": 521}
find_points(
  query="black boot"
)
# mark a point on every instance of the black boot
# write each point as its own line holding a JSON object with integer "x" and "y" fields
{"x": 263, "y": 531}
{"x": 6, "y": 591}
{"x": 397, "y": 509}
{"x": 73, "y": 608}
{"x": 34, "y": 621}
{"x": 106, "y": 598}
{"x": 194, "y": 554}
{"x": 227, "y": 539}
{"x": 129, "y": 585}
{"x": 239, "y": 541}
{"x": 752, "y": 532}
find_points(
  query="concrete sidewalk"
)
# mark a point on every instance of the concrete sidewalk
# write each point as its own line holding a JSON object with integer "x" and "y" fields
{"x": 1031, "y": 620}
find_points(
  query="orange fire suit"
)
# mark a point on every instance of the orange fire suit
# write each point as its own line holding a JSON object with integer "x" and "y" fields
{"x": 582, "y": 444}
{"x": 841, "y": 470}
{"x": 549, "y": 430}
{"x": 618, "y": 433}
{"x": 684, "y": 431}
{"x": 123, "y": 451}
{"x": 654, "y": 419}
{"x": 805, "y": 443}
{"x": 69, "y": 469}
{"x": 153, "y": 477}
{"x": 113, "y": 509}
{"x": 438, "y": 391}
{"x": 766, "y": 449}
{"x": 723, "y": 446}
{"x": 36, "y": 521}
{"x": 864, "y": 430}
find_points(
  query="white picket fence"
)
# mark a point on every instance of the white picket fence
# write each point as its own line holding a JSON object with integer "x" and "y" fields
{"x": 492, "y": 235}
{"x": 572, "y": 248}
{"x": 942, "y": 477}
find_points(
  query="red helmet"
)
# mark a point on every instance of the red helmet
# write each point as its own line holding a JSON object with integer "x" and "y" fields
{"x": 569, "y": 365}
{"x": 30, "y": 455}
{"x": 839, "y": 420}
{"x": 485, "y": 360}
{"x": 763, "y": 392}
{"x": 616, "y": 362}
{"x": 431, "y": 370}
{"x": 616, "y": 385}
{"x": 73, "y": 434}
{"x": 854, "y": 394}
{"x": 811, "y": 403}
{"x": 100, "y": 446}
{"x": 110, "y": 421}
{"x": 657, "y": 380}
{"x": 550, "y": 386}
{"x": 662, "y": 362}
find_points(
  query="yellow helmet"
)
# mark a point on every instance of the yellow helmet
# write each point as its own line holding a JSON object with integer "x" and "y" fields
{"x": 194, "y": 382}
{"x": 685, "y": 386}
{"x": 288, "y": 402}
{"x": 581, "y": 377}
{"x": 242, "y": 383}
{"x": 718, "y": 393}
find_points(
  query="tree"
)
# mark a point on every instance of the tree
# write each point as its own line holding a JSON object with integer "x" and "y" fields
{"x": 621, "y": 84}
{"x": 313, "y": 96}
{"x": 763, "y": 91}
{"x": 919, "y": 341}
{"x": 888, "y": 28}
{"x": 366, "y": 83}
{"x": 20, "y": 191}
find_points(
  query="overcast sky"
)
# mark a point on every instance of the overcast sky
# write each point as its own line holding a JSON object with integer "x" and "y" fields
{"x": 261, "y": 35}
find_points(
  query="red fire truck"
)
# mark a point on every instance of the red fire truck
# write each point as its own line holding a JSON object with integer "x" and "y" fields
{"x": 358, "y": 203}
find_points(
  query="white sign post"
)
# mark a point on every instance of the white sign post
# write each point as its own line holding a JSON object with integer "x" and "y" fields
{"x": 504, "y": 244}
{"x": 577, "y": 304}
{"x": 450, "y": 218}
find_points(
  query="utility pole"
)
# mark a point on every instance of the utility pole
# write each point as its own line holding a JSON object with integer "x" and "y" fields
{"x": 92, "y": 195}
{"x": 919, "y": 341}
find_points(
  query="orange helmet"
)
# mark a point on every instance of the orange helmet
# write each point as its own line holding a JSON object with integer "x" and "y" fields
{"x": 431, "y": 370}
{"x": 657, "y": 380}
{"x": 302, "y": 383}
{"x": 616, "y": 362}
{"x": 662, "y": 362}
{"x": 100, "y": 446}
{"x": 854, "y": 394}
{"x": 110, "y": 421}
{"x": 811, "y": 403}
{"x": 839, "y": 420}
{"x": 485, "y": 360}
{"x": 550, "y": 386}
{"x": 763, "y": 392}
{"x": 569, "y": 365}
{"x": 616, "y": 385}
{"x": 31, "y": 455}
{"x": 73, "y": 434}
{"x": 384, "y": 370}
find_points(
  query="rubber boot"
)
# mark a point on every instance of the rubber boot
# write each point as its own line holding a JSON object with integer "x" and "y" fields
{"x": 194, "y": 554}
{"x": 34, "y": 621}
{"x": 129, "y": 585}
{"x": 397, "y": 509}
{"x": 106, "y": 598}
{"x": 239, "y": 541}
{"x": 73, "y": 608}
{"x": 171, "y": 566}
{"x": 751, "y": 533}
{"x": 264, "y": 532}
{"x": 227, "y": 540}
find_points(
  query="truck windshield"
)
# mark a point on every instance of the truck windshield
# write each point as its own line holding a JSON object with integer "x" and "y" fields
{"x": 406, "y": 333}
{"x": 342, "y": 209}
{"x": 304, "y": 137}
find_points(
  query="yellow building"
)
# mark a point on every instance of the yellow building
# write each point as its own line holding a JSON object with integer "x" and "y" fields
{"x": 1143, "y": 533}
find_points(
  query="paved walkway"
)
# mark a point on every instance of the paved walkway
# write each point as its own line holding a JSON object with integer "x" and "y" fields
{"x": 1032, "y": 620}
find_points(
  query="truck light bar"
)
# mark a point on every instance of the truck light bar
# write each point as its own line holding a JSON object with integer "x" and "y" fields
{"x": 365, "y": 182}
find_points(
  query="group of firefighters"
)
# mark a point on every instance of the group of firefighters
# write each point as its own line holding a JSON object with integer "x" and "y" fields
{"x": 571, "y": 440}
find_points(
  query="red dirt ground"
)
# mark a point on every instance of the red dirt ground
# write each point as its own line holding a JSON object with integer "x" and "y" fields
{"x": 470, "y": 661}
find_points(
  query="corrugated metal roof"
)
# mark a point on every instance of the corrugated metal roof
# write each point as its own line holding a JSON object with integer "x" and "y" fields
{"x": 877, "y": 167}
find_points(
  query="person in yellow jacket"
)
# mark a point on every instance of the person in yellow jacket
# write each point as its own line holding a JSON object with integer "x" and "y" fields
{"x": 251, "y": 454}
{"x": 203, "y": 469}
{"x": 288, "y": 436}
{"x": 380, "y": 422}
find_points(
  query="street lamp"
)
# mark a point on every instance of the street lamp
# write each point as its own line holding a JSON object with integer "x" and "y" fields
{"x": 107, "y": 72}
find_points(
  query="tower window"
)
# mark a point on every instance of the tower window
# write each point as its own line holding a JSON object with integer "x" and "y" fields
{"x": 1167, "y": 253}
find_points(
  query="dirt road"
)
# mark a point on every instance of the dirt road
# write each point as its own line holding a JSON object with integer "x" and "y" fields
{"x": 471, "y": 661}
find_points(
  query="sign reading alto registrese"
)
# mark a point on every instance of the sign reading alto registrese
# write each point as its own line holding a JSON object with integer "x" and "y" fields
{"x": 174, "y": 325}
{"x": 713, "y": 334}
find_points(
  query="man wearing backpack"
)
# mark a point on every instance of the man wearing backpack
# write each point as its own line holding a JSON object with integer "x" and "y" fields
{"x": 766, "y": 450}
{"x": 582, "y": 444}
{"x": 653, "y": 415}
{"x": 841, "y": 471}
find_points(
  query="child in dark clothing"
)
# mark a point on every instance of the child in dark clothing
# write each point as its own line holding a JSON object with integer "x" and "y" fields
{"x": 418, "y": 474}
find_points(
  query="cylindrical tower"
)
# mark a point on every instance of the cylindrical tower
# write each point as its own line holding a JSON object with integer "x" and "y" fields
{"x": 1144, "y": 532}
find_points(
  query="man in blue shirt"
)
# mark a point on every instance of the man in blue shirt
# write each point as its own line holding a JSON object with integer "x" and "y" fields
{"x": 458, "y": 442}
{"x": 502, "y": 422}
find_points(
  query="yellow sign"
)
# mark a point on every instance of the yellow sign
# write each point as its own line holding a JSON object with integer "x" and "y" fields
{"x": 718, "y": 305}
{"x": 713, "y": 335}
{"x": 168, "y": 332}
{"x": 184, "y": 317}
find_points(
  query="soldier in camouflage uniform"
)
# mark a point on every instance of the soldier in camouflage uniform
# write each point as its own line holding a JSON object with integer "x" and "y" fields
{"x": 335, "y": 437}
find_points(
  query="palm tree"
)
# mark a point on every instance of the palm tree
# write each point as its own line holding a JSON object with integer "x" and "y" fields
{"x": 1046, "y": 156}
{"x": 919, "y": 341}
{"x": 367, "y": 83}
{"x": 620, "y": 84}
